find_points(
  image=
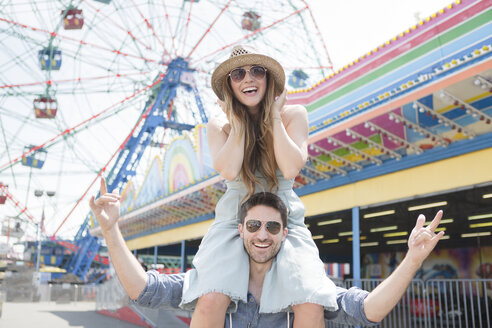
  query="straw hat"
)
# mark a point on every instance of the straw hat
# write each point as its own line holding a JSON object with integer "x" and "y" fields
{"x": 243, "y": 55}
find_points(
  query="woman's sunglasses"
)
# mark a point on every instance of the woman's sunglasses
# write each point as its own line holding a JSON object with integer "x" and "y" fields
{"x": 256, "y": 72}
{"x": 272, "y": 227}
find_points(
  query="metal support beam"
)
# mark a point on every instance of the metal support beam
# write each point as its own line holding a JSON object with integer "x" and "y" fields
{"x": 377, "y": 146}
{"x": 316, "y": 171}
{"x": 356, "y": 245}
{"x": 355, "y": 150}
{"x": 417, "y": 128}
{"x": 340, "y": 159}
{"x": 469, "y": 108}
{"x": 392, "y": 137}
{"x": 328, "y": 165}
{"x": 443, "y": 119}
{"x": 183, "y": 256}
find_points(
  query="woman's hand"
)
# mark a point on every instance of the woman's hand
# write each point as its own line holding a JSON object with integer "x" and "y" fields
{"x": 278, "y": 105}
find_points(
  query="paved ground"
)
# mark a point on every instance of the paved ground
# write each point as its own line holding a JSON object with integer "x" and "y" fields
{"x": 52, "y": 315}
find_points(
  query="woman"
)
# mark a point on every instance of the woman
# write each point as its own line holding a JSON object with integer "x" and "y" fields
{"x": 261, "y": 147}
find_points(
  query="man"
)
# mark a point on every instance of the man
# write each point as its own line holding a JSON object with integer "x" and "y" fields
{"x": 263, "y": 221}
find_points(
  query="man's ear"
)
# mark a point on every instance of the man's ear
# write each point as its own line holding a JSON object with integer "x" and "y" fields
{"x": 240, "y": 227}
{"x": 286, "y": 231}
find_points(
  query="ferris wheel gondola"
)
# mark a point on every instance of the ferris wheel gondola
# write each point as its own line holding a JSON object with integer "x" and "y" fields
{"x": 35, "y": 158}
{"x": 73, "y": 19}
{"x": 50, "y": 58}
{"x": 45, "y": 107}
{"x": 298, "y": 78}
{"x": 251, "y": 21}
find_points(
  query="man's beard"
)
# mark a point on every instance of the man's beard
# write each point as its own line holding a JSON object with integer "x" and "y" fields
{"x": 250, "y": 249}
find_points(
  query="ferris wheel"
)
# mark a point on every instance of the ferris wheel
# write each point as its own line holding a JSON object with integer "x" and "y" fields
{"x": 77, "y": 76}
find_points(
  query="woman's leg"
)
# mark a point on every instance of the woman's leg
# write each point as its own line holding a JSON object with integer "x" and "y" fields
{"x": 210, "y": 311}
{"x": 308, "y": 315}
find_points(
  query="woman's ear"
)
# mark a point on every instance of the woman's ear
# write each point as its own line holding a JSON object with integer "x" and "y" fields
{"x": 222, "y": 105}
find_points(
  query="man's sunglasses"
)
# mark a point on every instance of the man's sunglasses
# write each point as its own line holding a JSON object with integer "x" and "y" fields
{"x": 256, "y": 72}
{"x": 272, "y": 227}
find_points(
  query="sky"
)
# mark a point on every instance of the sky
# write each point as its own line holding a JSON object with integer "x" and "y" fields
{"x": 350, "y": 28}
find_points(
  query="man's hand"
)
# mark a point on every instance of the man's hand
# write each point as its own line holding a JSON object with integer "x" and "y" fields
{"x": 107, "y": 211}
{"x": 386, "y": 295}
{"x": 422, "y": 240}
{"x": 106, "y": 208}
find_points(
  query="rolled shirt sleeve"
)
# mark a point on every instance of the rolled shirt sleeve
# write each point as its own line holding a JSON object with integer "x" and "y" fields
{"x": 162, "y": 290}
{"x": 350, "y": 308}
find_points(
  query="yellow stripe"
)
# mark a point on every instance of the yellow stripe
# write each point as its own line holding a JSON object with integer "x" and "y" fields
{"x": 469, "y": 100}
{"x": 465, "y": 170}
{"x": 192, "y": 231}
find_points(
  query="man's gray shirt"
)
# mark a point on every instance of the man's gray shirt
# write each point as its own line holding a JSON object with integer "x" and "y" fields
{"x": 164, "y": 290}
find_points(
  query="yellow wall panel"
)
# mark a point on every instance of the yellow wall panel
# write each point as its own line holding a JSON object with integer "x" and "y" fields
{"x": 192, "y": 231}
{"x": 448, "y": 174}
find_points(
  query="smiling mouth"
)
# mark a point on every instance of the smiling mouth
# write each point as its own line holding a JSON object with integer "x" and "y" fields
{"x": 262, "y": 245}
{"x": 250, "y": 90}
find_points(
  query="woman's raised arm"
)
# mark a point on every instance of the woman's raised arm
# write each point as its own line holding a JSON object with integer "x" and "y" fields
{"x": 290, "y": 135}
{"x": 226, "y": 148}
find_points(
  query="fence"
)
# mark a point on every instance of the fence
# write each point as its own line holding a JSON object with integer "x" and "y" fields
{"x": 463, "y": 303}
{"x": 26, "y": 286}
{"x": 443, "y": 303}
{"x": 111, "y": 296}
{"x": 65, "y": 293}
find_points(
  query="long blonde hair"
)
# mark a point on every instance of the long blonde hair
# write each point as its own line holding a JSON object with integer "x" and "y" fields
{"x": 258, "y": 145}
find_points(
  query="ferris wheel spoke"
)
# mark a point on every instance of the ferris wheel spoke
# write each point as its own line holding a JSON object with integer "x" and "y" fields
{"x": 79, "y": 125}
{"x": 107, "y": 65}
{"x": 78, "y": 80}
{"x": 247, "y": 36}
{"x": 19, "y": 61}
{"x": 133, "y": 32}
{"x": 183, "y": 44}
{"x": 125, "y": 30}
{"x": 55, "y": 34}
{"x": 207, "y": 31}
{"x": 7, "y": 149}
{"x": 38, "y": 13}
{"x": 150, "y": 27}
{"x": 169, "y": 27}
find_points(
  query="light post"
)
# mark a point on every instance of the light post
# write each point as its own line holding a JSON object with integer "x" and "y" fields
{"x": 40, "y": 193}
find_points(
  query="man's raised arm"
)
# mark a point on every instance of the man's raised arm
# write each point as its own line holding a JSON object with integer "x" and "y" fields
{"x": 107, "y": 211}
{"x": 386, "y": 295}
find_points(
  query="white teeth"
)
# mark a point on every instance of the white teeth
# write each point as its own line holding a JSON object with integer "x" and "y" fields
{"x": 250, "y": 89}
{"x": 262, "y": 245}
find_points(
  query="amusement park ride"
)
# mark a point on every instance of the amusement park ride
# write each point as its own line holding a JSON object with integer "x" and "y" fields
{"x": 166, "y": 44}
